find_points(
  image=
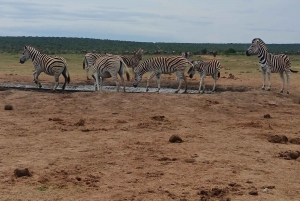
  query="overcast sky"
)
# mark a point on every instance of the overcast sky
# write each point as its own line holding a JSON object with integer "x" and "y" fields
{"x": 182, "y": 21}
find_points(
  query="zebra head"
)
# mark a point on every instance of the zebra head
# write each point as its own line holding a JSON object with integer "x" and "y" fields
{"x": 25, "y": 55}
{"x": 191, "y": 71}
{"x": 137, "y": 79}
{"x": 256, "y": 46}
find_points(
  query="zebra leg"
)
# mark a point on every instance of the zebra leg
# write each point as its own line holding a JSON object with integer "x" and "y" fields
{"x": 288, "y": 81}
{"x": 269, "y": 78}
{"x": 87, "y": 72}
{"x": 36, "y": 78}
{"x": 282, "y": 79}
{"x": 201, "y": 83}
{"x": 123, "y": 81}
{"x": 149, "y": 78}
{"x": 263, "y": 72}
{"x": 185, "y": 81}
{"x": 96, "y": 78}
{"x": 117, "y": 83}
{"x": 215, "y": 81}
{"x": 158, "y": 82}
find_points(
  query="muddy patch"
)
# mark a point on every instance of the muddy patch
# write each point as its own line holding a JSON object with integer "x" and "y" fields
{"x": 290, "y": 155}
{"x": 278, "y": 139}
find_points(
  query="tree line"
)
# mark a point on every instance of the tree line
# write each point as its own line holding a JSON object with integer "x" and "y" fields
{"x": 69, "y": 45}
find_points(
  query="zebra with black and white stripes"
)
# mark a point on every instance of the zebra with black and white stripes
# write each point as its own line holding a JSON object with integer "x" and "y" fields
{"x": 90, "y": 58}
{"x": 205, "y": 69}
{"x": 133, "y": 61}
{"x": 53, "y": 66}
{"x": 271, "y": 63}
{"x": 186, "y": 55}
{"x": 162, "y": 65}
{"x": 109, "y": 66}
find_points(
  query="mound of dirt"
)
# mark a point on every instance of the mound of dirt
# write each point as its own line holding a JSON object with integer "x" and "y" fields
{"x": 175, "y": 139}
{"x": 214, "y": 193}
{"x": 278, "y": 139}
{"x": 158, "y": 118}
{"x": 8, "y": 107}
{"x": 290, "y": 155}
{"x": 295, "y": 140}
{"x": 81, "y": 122}
{"x": 22, "y": 172}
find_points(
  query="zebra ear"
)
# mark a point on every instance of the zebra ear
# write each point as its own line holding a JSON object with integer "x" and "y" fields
{"x": 25, "y": 47}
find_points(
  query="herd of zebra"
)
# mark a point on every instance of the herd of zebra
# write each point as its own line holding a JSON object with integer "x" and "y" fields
{"x": 108, "y": 65}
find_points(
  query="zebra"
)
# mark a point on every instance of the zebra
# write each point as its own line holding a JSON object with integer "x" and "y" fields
{"x": 50, "y": 65}
{"x": 109, "y": 66}
{"x": 162, "y": 65}
{"x": 90, "y": 58}
{"x": 134, "y": 60}
{"x": 205, "y": 69}
{"x": 271, "y": 63}
{"x": 186, "y": 55}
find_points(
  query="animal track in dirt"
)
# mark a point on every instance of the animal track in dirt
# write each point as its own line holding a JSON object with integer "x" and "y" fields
{"x": 278, "y": 139}
{"x": 290, "y": 155}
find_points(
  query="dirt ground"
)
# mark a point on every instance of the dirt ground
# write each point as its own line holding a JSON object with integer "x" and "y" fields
{"x": 115, "y": 146}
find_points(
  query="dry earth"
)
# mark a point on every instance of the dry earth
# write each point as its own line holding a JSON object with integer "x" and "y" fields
{"x": 115, "y": 146}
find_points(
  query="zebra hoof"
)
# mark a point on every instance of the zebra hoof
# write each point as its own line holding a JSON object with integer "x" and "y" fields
{"x": 176, "y": 92}
{"x": 269, "y": 89}
{"x": 281, "y": 91}
{"x": 263, "y": 88}
{"x": 287, "y": 92}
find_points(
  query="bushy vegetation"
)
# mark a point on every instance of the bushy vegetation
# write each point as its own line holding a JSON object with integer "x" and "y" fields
{"x": 63, "y": 45}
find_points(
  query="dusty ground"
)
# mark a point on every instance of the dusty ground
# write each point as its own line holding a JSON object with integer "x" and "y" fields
{"x": 115, "y": 146}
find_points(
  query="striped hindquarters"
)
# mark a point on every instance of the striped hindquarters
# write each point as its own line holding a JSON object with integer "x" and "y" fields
{"x": 279, "y": 62}
{"x": 163, "y": 65}
{"x": 50, "y": 65}
{"x": 209, "y": 68}
{"x": 90, "y": 58}
{"x": 107, "y": 64}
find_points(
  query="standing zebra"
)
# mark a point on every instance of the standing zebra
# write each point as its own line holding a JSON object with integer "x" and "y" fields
{"x": 134, "y": 60}
{"x": 186, "y": 55}
{"x": 162, "y": 65}
{"x": 109, "y": 66}
{"x": 271, "y": 63}
{"x": 206, "y": 68}
{"x": 90, "y": 58}
{"x": 53, "y": 66}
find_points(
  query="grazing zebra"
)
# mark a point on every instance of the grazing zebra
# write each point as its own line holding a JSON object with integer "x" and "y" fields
{"x": 53, "y": 66}
{"x": 162, "y": 65}
{"x": 271, "y": 63}
{"x": 109, "y": 66}
{"x": 90, "y": 58}
{"x": 205, "y": 69}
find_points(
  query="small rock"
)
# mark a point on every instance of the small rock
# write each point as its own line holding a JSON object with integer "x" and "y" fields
{"x": 8, "y": 107}
{"x": 295, "y": 140}
{"x": 22, "y": 172}
{"x": 267, "y": 116}
{"x": 253, "y": 193}
{"x": 278, "y": 139}
{"x": 175, "y": 138}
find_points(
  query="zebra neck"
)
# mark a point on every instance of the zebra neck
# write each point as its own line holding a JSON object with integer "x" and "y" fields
{"x": 34, "y": 54}
{"x": 263, "y": 56}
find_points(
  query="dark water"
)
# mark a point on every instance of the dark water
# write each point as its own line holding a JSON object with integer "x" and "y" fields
{"x": 90, "y": 88}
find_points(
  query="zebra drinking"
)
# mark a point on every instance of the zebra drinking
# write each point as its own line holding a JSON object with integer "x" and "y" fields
{"x": 271, "y": 63}
{"x": 109, "y": 66}
{"x": 90, "y": 58}
{"x": 205, "y": 69}
{"x": 53, "y": 66}
{"x": 162, "y": 65}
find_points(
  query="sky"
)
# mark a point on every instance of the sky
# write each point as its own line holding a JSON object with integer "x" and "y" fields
{"x": 180, "y": 21}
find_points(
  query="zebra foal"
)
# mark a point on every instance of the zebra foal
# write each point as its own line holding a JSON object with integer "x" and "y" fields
{"x": 271, "y": 63}
{"x": 109, "y": 66}
{"x": 205, "y": 69}
{"x": 50, "y": 65}
{"x": 162, "y": 65}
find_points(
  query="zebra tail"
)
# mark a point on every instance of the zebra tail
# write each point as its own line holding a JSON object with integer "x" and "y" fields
{"x": 68, "y": 75}
{"x": 126, "y": 70}
{"x": 293, "y": 71}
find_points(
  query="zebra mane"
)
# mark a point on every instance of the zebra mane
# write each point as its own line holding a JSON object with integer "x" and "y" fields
{"x": 261, "y": 43}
